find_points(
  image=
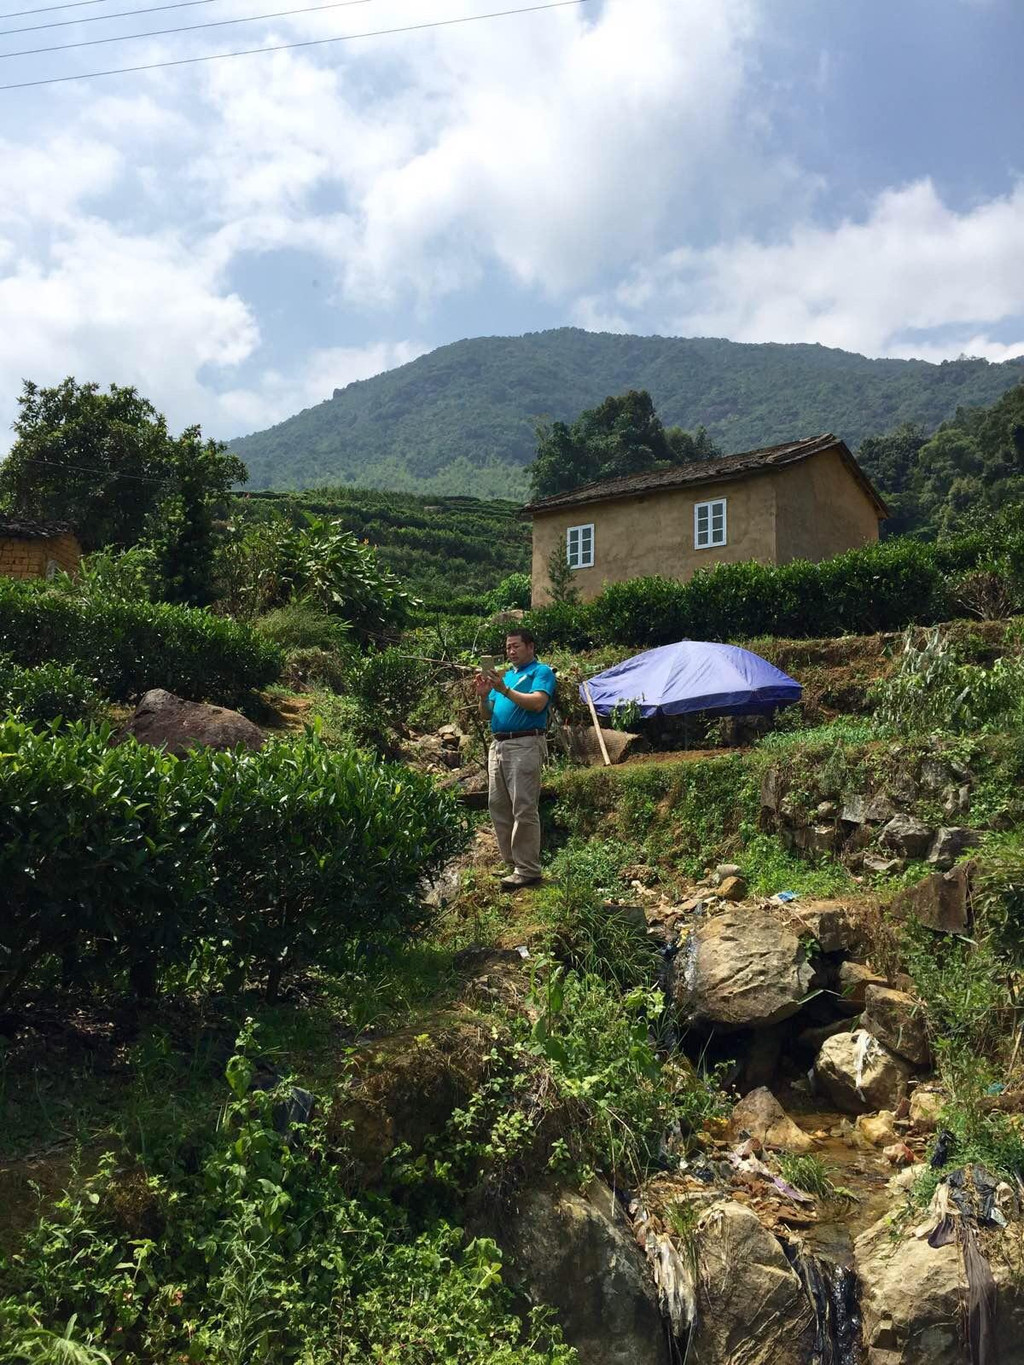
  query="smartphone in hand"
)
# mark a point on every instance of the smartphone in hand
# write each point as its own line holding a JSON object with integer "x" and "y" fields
{"x": 488, "y": 663}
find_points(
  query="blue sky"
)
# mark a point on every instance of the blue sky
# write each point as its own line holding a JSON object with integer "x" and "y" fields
{"x": 238, "y": 238}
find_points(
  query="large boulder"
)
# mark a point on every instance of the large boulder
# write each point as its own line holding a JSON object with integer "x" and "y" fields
{"x": 576, "y": 1253}
{"x": 896, "y": 1020}
{"x": 907, "y": 836}
{"x": 854, "y": 980}
{"x": 171, "y": 723}
{"x": 752, "y": 1308}
{"x": 760, "y": 1115}
{"x": 949, "y": 843}
{"x": 859, "y": 1074}
{"x": 941, "y": 901}
{"x": 914, "y": 1298}
{"x": 745, "y": 968}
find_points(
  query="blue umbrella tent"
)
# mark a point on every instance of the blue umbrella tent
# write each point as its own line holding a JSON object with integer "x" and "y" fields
{"x": 694, "y": 675}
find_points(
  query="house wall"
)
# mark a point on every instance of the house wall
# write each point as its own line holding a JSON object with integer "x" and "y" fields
{"x": 29, "y": 558}
{"x": 822, "y": 510}
{"x": 811, "y": 510}
{"x": 653, "y": 534}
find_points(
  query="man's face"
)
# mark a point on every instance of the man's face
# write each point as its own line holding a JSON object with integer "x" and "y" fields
{"x": 519, "y": 653}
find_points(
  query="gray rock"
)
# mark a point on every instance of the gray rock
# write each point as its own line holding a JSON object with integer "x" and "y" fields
{"x": 832, "y": 925}
{"x": 744, "y": 968}
{"x": 897, "y": 1021}
{"x": 941, "y": 901}
{"x": 881, "y": 866}
{"x": 907, "y": 836}
{"x": 854, "y": 980}
{"x": 914, "y": 1297}
{"x": 576, "y": 1253}
{"x": 752, "y": 1309}
{"x": 733, "y": 889}
{"x": 725, "y": 870}
{"x": 859, "y": 1074}
{"x": 169, "y": 722}
{"x": 760, "y": 1115}
{"x": 867, "y": 810}
{"x": 949, "y": 843}
{"x": 815, "y": 840}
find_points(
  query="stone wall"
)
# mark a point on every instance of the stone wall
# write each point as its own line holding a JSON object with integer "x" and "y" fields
{"x": 32, "y": 557}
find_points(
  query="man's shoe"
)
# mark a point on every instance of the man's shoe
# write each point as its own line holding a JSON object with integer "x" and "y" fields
{"x": 517, "y": 881}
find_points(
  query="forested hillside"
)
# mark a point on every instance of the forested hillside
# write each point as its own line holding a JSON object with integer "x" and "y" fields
{"x": 461, "y": 419}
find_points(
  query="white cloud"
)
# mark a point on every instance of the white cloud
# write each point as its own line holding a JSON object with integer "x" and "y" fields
{"x": 283, "y": 394}
{"x": 912, "y": 265}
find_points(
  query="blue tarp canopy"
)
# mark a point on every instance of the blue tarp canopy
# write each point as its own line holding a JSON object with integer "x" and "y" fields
{"x": 694, "y": 675}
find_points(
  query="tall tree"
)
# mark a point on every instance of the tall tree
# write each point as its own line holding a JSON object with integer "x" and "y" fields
{"x": 97, "y": 460}
{"x": 621, "y": 436}
{"x": 185, "y": 532}
{"x": 106, "y": 463}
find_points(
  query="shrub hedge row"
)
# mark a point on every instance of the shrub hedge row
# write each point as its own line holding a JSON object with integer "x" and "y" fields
{"x": 46, "y": 693}
{"x": 118, "y": 861}
{"x": 881, "y": 587}
{"x": 128, "y": 647}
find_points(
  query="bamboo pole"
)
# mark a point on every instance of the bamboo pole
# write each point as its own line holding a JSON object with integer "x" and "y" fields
{"x": 597, "y": 725}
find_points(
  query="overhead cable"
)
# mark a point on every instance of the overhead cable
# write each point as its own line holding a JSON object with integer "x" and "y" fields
{"x": 289, "y": 47}
{"x": 182, "y": 28}
{"x": 122, "y": 14}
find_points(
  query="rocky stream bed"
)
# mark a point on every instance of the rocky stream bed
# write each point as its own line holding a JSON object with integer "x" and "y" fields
{"x": 719, "y": 1259}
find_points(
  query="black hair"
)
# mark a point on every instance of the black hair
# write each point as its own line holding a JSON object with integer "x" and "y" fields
{"x": 527, "y": 636}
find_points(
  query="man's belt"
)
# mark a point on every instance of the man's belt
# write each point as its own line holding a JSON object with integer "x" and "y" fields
{"x": 515, "y": 734}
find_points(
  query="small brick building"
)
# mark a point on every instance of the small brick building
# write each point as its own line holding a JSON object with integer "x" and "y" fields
{"x": 36, "y": 549}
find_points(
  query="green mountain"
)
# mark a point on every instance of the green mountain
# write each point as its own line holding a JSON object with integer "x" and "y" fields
{"x": 461, "y": 419}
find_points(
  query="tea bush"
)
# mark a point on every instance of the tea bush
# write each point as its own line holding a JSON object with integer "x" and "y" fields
{"x": 128, "y": 647}
{"x": 118, "y": 861}
{"x": 44, "y": 693}
{"x": 881, "y": 587}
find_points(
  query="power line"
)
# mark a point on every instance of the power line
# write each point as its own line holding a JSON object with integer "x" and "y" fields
{"x": 120, "y": 14}
{"x": 103, "y": 473}
{"x": 48, "y": 9}
{"x": 288, "y": 47}
{"x": 182, "y": 28}
{"x": 99, "y": 18}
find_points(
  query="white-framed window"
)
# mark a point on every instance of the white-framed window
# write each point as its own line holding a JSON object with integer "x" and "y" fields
{"x": 579, "y": 546}
{"x": 709, "y": 524}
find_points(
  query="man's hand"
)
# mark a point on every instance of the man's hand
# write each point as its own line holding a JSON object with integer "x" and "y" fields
{"x": 484, "y": 683}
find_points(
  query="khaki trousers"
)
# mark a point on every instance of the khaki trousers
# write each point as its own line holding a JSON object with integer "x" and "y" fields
{"x": 513, "y": 799}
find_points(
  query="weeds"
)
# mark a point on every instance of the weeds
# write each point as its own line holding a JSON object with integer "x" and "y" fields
{"x": 810, "y": 1174}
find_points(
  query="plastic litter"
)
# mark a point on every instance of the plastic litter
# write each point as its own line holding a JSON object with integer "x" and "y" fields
{"x": 784, "y": 897}
{"x": 523, "y": 951}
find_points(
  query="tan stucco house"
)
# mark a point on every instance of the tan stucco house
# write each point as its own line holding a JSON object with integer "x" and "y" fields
{"x": 36, "y": 549}
{"x": 805, "y": 500}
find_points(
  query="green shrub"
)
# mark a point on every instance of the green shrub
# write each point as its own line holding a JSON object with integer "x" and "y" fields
{"x": 116, "y": 861}
{"x": 46, "y": 692}
{"x": 316, "y": 668}
{"x": 129, "y": 647}
{"x": 301, "y": 625}
{"x": 511, "y": 593}
{"x": 881, "y": 587}
{"x": 260, "y": 1253}
{"x": 932, "y": 689}
{"x": 388, "y": 684}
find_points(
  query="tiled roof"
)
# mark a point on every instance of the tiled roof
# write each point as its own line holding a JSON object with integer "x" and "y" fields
{"x": 17, "y": 528}
{"x": 714, "y": 470}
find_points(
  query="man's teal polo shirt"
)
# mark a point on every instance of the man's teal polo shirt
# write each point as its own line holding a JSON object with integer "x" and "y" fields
{"x": 506, "y": 716}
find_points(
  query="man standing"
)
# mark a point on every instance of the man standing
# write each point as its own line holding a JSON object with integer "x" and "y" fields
{"x": 517, "y": 707}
